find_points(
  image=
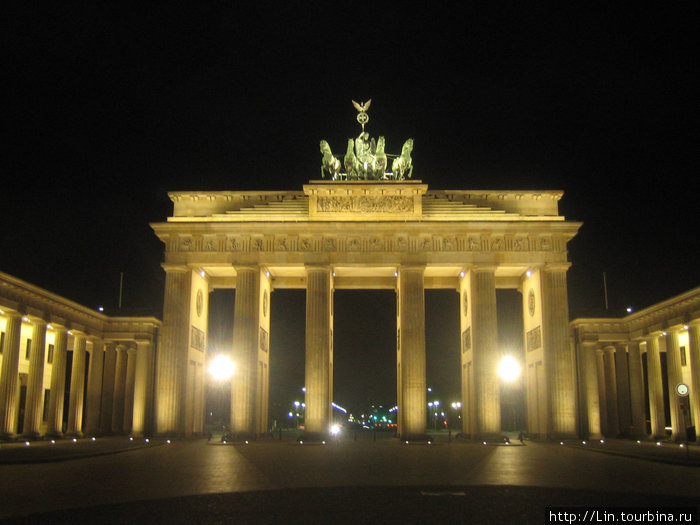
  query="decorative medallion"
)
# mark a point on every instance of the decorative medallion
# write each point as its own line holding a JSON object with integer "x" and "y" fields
{"x": 199, "y": 302}
{"x": 531, "y": 302}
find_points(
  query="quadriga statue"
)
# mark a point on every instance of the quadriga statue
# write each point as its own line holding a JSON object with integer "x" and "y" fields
{"x": 402, "y": 167}
{"x": 329, "y": 163}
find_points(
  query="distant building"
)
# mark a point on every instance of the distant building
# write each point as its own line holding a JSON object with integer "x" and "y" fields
{"x": 639, "y": 376}
{"x": 66, "y": 369}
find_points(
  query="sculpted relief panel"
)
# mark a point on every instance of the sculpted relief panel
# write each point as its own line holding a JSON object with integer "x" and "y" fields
{"x": 365, "y": 204}
{"x": 399, "y": 242}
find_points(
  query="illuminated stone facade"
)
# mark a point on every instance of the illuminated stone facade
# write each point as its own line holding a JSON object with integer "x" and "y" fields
{"x": 624, "y": 364}
{"x": 367, "y": 235}
{"x": 111, "y": 376}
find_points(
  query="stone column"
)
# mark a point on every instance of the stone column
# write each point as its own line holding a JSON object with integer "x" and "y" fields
{"x": 143, "y": 389}
{"x": 611, "y": 392}
{"x": 559, "y": 357}
{"x": 110, "y": 362}
{"x": 486, "y": 354}
{"x": 590, "y": 386}
{"x": 694, "y": 360}
{"x": 119, "y": 389}
{"x": 411, "y": 317}
{"x": 77, "y": 387}
{"x": 129, "y": 390}
{"x": 94, "y": 391}
{"x": 656, "y": 393}
{"x": 636, "y": 382}
{"x": 245, "y": 352}
{"x": 622, "y": 385}
{"x": 35, "y": 382}
{"x": 172, "y": 352}
{"x": 675, "y": 376}
{"x": 9, "y": 376}
{"x": 319, "y": 383}
{"x": 58, "y": 382}
{"x": 602, "y": 394}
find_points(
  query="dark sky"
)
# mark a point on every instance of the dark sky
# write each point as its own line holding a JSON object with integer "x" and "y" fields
{"x": 108, "y": 108}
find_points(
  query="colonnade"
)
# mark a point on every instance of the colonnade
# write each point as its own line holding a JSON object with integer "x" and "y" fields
{"x": 111, "y": 381}
{"x": 624, "y": 398}
{"x": 553, "y": 399}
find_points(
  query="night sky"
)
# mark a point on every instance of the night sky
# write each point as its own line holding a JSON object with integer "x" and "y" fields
{"x": 109, "y": 108}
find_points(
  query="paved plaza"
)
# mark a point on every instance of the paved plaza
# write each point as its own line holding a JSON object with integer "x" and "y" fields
{"x": 363, "y": 480}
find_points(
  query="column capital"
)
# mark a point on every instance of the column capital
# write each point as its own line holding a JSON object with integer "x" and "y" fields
{"x": 556, "y": 267}
{"x": 484, "y": 268}
{"x": 175, "y": 268}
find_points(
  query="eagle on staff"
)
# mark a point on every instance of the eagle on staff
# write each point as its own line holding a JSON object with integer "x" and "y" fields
{"x": 362, "y": 116}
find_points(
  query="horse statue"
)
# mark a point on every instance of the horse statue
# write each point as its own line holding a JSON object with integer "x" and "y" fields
{"x": 350, "y": 161}
{"x": 380, "y": 160}
{"x": 329, "y": 163}
{"x": 403, "y": 165}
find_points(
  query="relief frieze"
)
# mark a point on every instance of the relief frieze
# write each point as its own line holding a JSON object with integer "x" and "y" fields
{"x": 365, "y": 204}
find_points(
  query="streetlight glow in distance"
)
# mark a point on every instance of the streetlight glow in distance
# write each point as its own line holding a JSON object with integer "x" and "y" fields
{"x": 221, "y": 367}
{"x": 509, "y": 369}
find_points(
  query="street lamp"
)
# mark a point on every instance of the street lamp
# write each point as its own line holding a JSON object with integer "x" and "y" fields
{"x": 509, "y": 369}
{"x": 221, "y": 367}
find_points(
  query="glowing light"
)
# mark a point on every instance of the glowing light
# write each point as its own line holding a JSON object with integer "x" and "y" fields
{"x": 584, "y": 443}
{"x": 131, "y": 439}
{"x": 602, "y": 441}
{"x": 92, "y": 439}
{"x": 53, "y": 441}
{"x": 26, "y": 443}
{"x": 529, "y": 273}
{"x": 167, "y": 441}
{"x": 561, "y": 442}
{"x": 629, "y": 310}
{"x": 147, "y": 441}
{"x": 75, "y": 440}
{"x": 658, "y": 443}
{"x": 461, "y": 274}
{"x": 100, "y": 309}
{"x": 335, "y": 430}
{"x": 509, "y": 369}
{"x": 221, "y": 367}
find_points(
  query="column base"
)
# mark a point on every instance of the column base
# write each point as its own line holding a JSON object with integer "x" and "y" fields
{"x": 416, "y": 438}
{"x": 9, "y": 437}
{"x": 313, "y": 437}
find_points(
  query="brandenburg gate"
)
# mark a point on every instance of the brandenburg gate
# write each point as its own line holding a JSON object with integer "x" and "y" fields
{"x": 367, "y": 228}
